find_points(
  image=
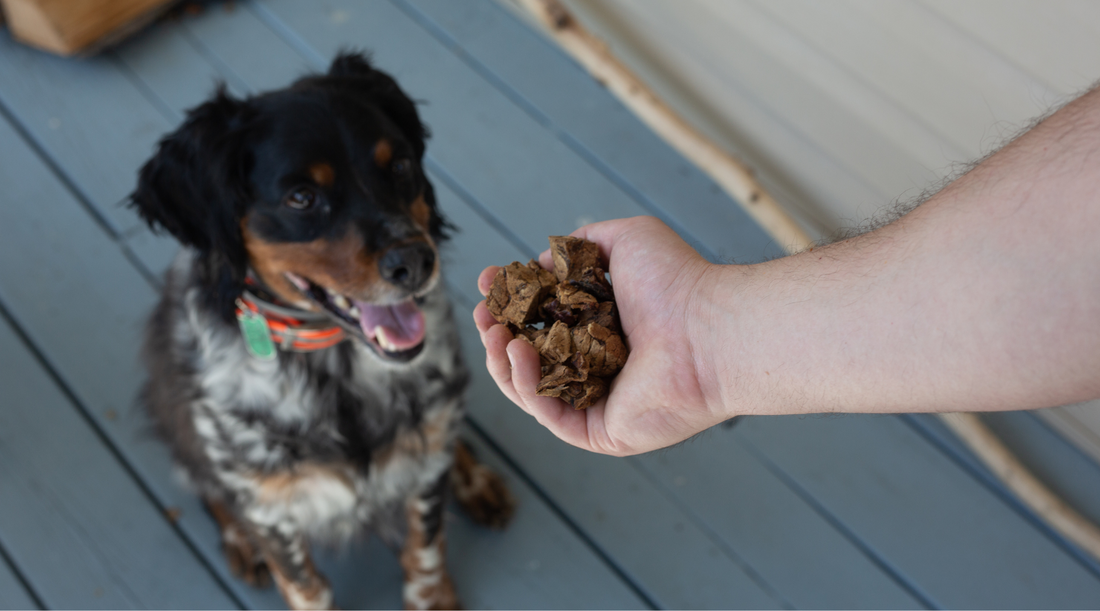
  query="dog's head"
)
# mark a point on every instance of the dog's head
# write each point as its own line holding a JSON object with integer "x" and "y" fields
{"x": 317, "y": 189}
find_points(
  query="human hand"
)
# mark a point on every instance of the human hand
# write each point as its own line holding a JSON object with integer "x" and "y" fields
{"x": 658, "y": 398}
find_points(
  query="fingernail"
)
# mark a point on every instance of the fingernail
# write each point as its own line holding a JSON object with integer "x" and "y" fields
{"x": 511, "y": 360}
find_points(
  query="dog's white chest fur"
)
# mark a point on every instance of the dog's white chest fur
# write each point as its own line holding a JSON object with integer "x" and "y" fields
{"x": 269, "y": 428}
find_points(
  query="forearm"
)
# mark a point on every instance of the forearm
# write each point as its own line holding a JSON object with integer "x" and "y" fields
{"x": 985, "y": 297}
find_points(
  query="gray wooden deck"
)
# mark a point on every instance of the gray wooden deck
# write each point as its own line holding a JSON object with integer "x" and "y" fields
{"x": 861, "y": 512}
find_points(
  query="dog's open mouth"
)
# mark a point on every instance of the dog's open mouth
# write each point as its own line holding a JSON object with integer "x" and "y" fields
{"x": 395, "y": 331}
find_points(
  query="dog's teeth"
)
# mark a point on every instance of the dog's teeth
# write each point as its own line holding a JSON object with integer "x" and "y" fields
{"x": 353, "y": 312}
{"x": 297, "y": 281}
{"x": 341, "y": 302}
{"x": 383, "y": 341}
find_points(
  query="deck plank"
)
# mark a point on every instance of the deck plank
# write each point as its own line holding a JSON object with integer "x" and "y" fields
{"x": 951, "y": 538}
{"x": 91, "y": 338}
{"x": 792, "y": 546}
{"x": 81, "y": 530}
{"x": 1067, "y": 471}
{"x": 165, "y": 59}
{"x": 87, "y": 116}
{"x": 12, "y": 593}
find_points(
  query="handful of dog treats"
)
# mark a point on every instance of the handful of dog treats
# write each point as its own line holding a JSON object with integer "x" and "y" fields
{"x": 568, "y": 315}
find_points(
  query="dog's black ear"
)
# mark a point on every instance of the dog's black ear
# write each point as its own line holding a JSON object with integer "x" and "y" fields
{"x": 196, "y": 188}
{"x": 192, "y": 187}
{"x": 385, "y": 94}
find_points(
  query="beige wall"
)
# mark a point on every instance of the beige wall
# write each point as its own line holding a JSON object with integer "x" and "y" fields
{"x": 846, "y": 106}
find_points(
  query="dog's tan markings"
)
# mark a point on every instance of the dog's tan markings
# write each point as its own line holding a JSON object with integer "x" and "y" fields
{"x": 383, "y": 153}
{"x": 421, "y": 214}
{"x": 322, "y": 174}
{"x": 308, "y": 591}
{"x": 427, "y": 583}
{"x": 244, "y": 559}
{"x": 304, "y": 480}
{"x": 343, "y": 266}
{"x": 480, "y": 492}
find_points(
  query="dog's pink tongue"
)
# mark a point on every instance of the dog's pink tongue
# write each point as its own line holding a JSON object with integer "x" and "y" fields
{"x": 402, "y": 324}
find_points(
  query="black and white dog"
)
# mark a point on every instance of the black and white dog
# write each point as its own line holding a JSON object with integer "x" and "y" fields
{"x": 303, "y": 362}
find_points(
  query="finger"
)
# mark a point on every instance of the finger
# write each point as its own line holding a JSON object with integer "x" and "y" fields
{"x": 483, "y": 319}
{"x": 485, "y": 279}
{"x": 496, "y": 361}
{"x": 568, "y": 424}
{"x": 546, "y": 260}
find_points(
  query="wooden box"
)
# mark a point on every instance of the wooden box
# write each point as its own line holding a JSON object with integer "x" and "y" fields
{"x": 70, "y": 27}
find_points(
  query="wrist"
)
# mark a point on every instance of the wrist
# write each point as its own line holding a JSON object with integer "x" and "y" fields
{"x": 711, "y": 331}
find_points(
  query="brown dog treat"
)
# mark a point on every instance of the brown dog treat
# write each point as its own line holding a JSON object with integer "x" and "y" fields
{"x": 558, "y": 346}
{"x": 574, "y": 297}
{"x": 603, "y": 350}
{"x": 580, "y": 347}
{"x": 581, "y": 395}
{"x": 572, "y": 255}
{"x": 554, "y": 310}
{"x": 593, "y": 281}
{"x": 517, "y": 292}
{"x": 604, "y": 314}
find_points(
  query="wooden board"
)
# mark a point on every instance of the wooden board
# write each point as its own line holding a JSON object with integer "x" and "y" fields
{"x": 949, "y": 537}
{"x": 66, "y": 27}
{"x": 1071, "y": 474}
{"x": 83, "y": 533}
{"x": 780, "y": 534}
{"x": 83, "y": 308}
{"x": 170, "y": 71}
{"x": 87, "y": 117}
{"x": 13, "y": 595}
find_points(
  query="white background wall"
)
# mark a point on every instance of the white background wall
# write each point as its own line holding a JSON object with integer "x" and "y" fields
{"x": 847, "y": 106}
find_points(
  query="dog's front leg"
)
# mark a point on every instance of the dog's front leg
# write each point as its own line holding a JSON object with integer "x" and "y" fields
{"x": 288, "y": 559}
{"x": 427, "y": 583}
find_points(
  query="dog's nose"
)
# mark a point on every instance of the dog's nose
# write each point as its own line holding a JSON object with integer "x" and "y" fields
{"x": 408, "y": 266}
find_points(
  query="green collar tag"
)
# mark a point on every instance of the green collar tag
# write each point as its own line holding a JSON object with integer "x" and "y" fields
{"x": 256, "y": 333}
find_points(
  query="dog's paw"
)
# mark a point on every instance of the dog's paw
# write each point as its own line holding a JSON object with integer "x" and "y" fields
{"x": 245, "y": 561}
{"x": 437, "y": 595}
{"x": 483, "y": 495}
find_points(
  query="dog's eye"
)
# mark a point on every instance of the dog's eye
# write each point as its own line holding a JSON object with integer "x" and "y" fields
{"x": 301, "y": 199}
{"x": 401, "y": 168}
